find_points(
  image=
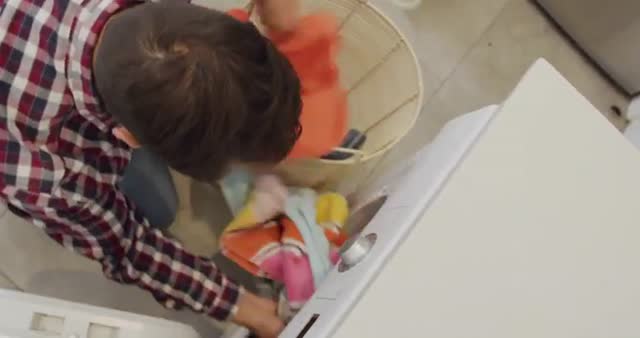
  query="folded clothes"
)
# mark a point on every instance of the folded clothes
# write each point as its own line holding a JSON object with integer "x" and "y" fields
{"x": 311, "y": 48}
{"x": 296, "y": 249}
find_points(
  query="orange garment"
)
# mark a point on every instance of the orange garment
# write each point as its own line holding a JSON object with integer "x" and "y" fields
{"x": 249, "y": 248}
{"x": 311, "y": 48}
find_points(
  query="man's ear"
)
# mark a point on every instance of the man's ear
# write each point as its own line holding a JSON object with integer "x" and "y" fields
{"x": 125, "y": 136}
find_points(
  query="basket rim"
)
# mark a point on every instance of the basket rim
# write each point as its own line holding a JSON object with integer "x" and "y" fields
{"x": 420, "y": 98}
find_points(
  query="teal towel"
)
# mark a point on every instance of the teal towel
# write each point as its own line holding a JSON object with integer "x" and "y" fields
{"x": 301, "y": 209}
{"x": 236, "y": 188}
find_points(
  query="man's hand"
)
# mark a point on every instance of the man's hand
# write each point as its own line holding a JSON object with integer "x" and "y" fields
{"x": 270, "y": 196}
{"x": 279, "y": 15}
{"x": 259, "y": 315}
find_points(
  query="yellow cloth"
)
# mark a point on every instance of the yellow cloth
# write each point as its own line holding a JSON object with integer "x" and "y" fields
{"x": 331, "y": 209}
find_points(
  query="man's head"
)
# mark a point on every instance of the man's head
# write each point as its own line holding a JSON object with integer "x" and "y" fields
{"x": 197, "y": 87}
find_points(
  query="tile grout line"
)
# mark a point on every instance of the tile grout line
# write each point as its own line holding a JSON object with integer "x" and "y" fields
{"x": 6, "y": 209}
{"x": 2, "y": 273}
{"x": 11, "y": 281}
{"x": 446, "y": 79}
{"x": 466, "y": 54}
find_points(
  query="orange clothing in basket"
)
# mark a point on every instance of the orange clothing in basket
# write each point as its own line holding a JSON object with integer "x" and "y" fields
{"x": 311, "y": 48}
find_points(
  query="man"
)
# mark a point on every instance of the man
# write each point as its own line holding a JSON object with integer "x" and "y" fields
{"x": 98, "y": 96}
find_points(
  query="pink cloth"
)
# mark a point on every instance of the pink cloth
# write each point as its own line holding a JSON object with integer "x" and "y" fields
{"x": 292, "y": 268}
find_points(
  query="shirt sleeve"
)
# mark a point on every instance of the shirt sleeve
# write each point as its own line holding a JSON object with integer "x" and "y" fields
{"x": 109, "y": 230}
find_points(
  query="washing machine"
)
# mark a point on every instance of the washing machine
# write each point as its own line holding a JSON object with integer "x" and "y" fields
{"x": 518, "y": 220}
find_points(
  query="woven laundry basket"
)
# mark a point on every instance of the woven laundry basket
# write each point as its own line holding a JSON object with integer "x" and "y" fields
{"x": 382, "y": 75}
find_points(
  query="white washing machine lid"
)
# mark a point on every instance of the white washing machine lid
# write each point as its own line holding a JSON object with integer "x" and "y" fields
{"x": 535, "y": 234}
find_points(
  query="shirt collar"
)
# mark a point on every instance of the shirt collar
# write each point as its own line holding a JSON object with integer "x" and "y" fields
{"x": 88, "y": 23}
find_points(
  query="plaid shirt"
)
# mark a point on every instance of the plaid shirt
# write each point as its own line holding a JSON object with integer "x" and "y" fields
{"x": 60, "y": 164}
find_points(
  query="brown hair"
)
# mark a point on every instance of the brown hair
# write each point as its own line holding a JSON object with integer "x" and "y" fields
{"x": 197, "y": 87}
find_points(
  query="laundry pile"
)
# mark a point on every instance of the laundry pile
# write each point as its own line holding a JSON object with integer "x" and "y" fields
{"x": 296, "y": 249}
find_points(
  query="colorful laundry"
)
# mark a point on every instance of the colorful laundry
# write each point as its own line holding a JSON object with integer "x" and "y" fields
{"x": 301, "y": 210}
{"x": 312, "y": 48}
{"x": 296, "y": 254}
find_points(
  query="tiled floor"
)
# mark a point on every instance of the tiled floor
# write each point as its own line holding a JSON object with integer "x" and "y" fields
{"x": 6, "y": 283}
{"x": 472, "y": 53}
{"x": 481, "y": 49}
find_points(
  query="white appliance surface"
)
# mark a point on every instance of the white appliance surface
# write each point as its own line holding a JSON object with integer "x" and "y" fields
{"x": 529, "y": 230}
{"x": 405, "y": 202}
{"x": 24, "y": 315}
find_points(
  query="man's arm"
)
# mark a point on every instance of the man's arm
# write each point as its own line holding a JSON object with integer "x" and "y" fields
{"x": 110, "y": 231}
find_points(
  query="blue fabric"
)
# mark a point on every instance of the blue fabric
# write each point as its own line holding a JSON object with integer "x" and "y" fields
{"x": 147, "y": 183}
{"x": 235, "y": 189}
{"x": 301, "y": 209}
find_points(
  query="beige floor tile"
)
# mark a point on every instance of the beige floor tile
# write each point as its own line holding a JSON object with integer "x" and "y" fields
{"x": 519, "y": 36}
{"x": 432, "y": 118}
{"x": 201, "y": 217}
{"x": 410, "y": 25}
{"x": 353, "y": 177}
{"x": 3, "y": 209}
{"x": 220, "y": 4}
{"x": 6, "y": 282}
{"x": 446, "y": 29}
{"x": 495, "y": 62}
{"x": 26, "y": 252}
{"x": 445, "y": 32}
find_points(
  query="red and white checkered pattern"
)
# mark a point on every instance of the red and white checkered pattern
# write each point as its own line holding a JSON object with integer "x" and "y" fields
{"x": 59, "y": 162}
